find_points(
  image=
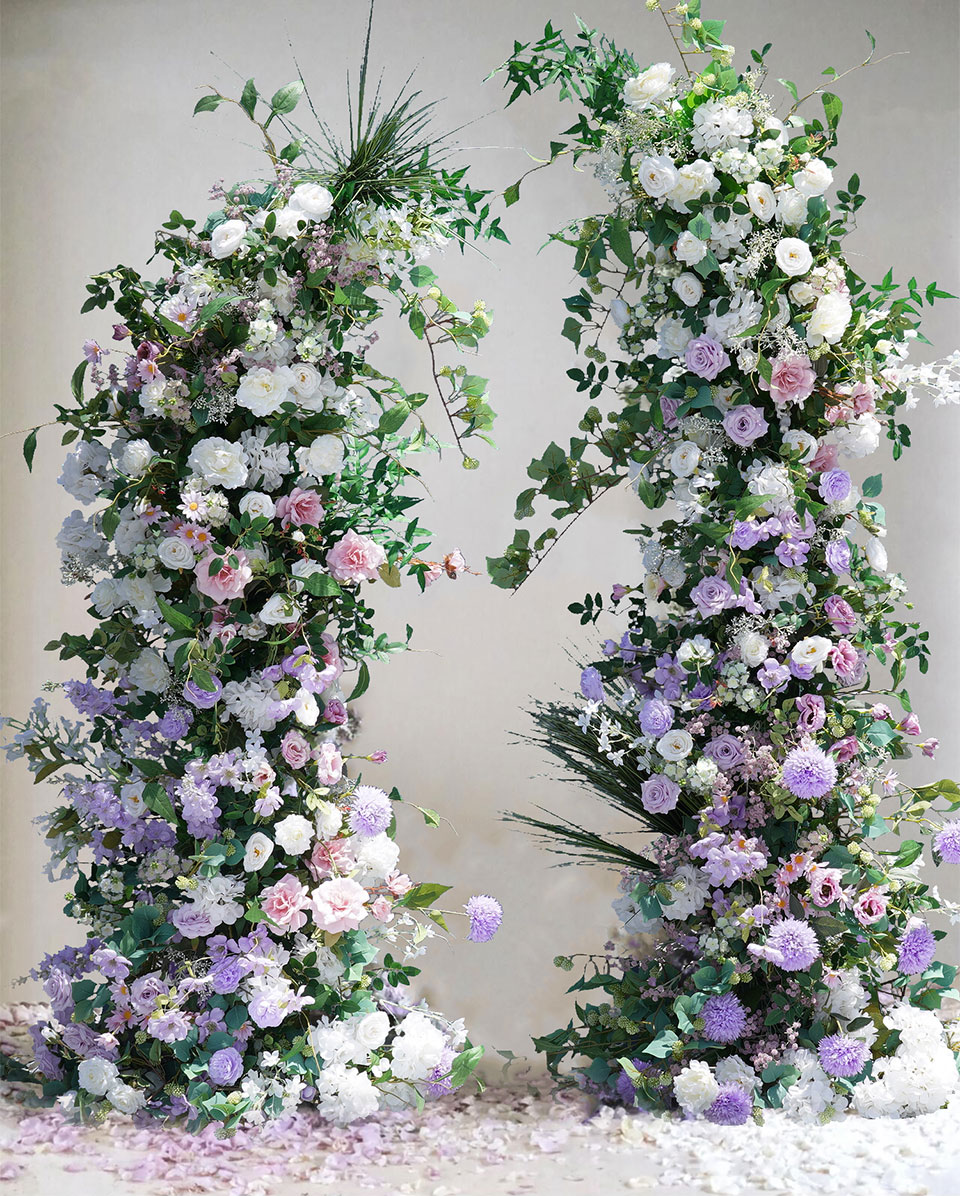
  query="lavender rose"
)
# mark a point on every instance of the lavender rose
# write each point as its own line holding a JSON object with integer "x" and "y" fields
{"x": 706, "y": 357}
{"x": 834, "y": 485}
{"x": 203, "y": 699}
{"x": 225, "y": 1067}
{"x": 837, "y": 554}
{"x": 656, "y": 717}
{"x": 726, "y": 751}
{"x": 712, "y": 595}
{"x": 659, "y": 794}
{"x": 744, "y": 425}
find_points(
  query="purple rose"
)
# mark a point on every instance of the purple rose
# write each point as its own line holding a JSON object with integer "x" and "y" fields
{"x": 838, "y": 557}
{"x": 712, "y": 595}
{"x": 192, "y": 921}
{"x": 225, "y": 1067}
{"x": 706, "y": 357}
{"x": 656, "y": 717}
{"x": 203, "y": 699}
{"x": 591, "y": 685}
{"x": 225, "y": 976}
{"x": 841, "y": 614}
{"x": 744, "y": 425}
{"x": 726, "y": 751}
{"x": 812, "y": 712}
{"x": 669, "y": 408}
{"x": 59, "y": 989}
{"x": 834, "y": 485}
{"x": 659, "y": 794}
{"x": 746, "y": 534}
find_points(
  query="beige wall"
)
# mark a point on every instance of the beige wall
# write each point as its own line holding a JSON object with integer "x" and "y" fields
{"x": 99, "y": 146}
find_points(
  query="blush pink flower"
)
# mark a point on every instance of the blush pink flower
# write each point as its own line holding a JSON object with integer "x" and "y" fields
{"x": 792, "y": 379}
{"x": 399, "y": 883}
{"x": 870, "y": 907}
{"x": 844, "y": 658}
{"x": 355, "y": 558}
{"x": 862, "y": 398}
{"x": 329, "y": 763}
{"x": 382, "y": 910}
{"x": 331, "y": 858}
{"x": 841, "y": 614}
{"x": 295, "y": 749}
{"x": 229, "y": 580}
{"x": 825, "y": 886}
{"x": 826, "y": 458}
{"x": 300, "y": 507}
{"x": 285, "y": 902}
{"x": 846, "y": 749}
{"x": 339, "y": 905}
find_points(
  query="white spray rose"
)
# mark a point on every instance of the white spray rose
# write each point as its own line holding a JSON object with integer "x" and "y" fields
{"x": 791, "y": 207}
{"x": 175, "y": 553}
{"x": 149, "y": 673}
{"x": 258, "y": 851}
{"x": 695, "y": 1088}
{"x": 262, "y": 391}
{"x": 754, "y": 648}
{"x": 672, "y": 338}
{"x": 256, "y": 504}
{"x": 814, "y": 178}
{"x": 762, "y": 201}
{"x": 675, "y": 745}
{"x": 684, "y": 459}
{"x": 688, "y": 288}
{"x": 97, "y": 1076}
{"x": 657, "y": 175}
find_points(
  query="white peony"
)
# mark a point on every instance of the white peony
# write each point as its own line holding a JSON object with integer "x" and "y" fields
{"x": 377, "y": 858}
{"x": 649, "y": 86}
{"x": 684, "y": 459}
{"x": 688, "y": 288}
{"x": 138, "y": 592}
{"x": 294, "y": 834}
{"x": 175, "y": 553}
{"x": 258, "y": 851}
{"x": 136, "y": 456}
{"x": 754, "y": 648}
{"x": 262, "y": 391}
{"x": 814, "y": 178}
{"x": 418, "y": 1048}
{"x": 793, "y": 256}
{"x": 313, "y": 199}
{"x": 860, "y": 437}
{"x": 226, "y": 238}
{"x": 97, "y": 1076}
{"x": 149, "y": 672}
{"x": 672, "y": 338}
{"x": 256, "y": 504}
{"x": 219, "y": 462}
{"x": 696, "y": 1088}
{"x": 690, "y": 249}
{"x": 322, "y": 458}
{"x": 762, "y": 201}
{"x": 830, "y": 318}
{"x": 675, "y": 745}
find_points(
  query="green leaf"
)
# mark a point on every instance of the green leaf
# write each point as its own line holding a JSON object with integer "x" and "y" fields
{"x": 910, "y": 850}
{"x": 422, "y": 895}
{"x": 156, "y": 799}
{"x": 209, "y": 310}
{"x": 321, "y": 585}
{"x": 76, "y": 381}
{"x": 662, "y": 1045}
{"x": 363, "y": 680}
{"x": 832, "y": 108}
{"x": 287, "y": 98}
{"x": 872, "y": 486}
{"x": 422, "y": 276}
{"x": 701, "y": 227}
{"x": 430, "y": 817}
{"x": 207, "y": 104}
{"x": 394, "y": 417}
{"x": 618, "y": 236}
{"x": 512, "y": 194}
{"x": 248, "y": 99}
{"x": 464, "y": 1064}
{"x": 179, "y": 620}
{"x": 30, "y": 447}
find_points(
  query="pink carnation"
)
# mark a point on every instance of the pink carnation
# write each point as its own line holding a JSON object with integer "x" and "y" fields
{"x": 791, "y": 381}
{"x": 300, "y": 507}
{"x": 339, "y": 905}
{"x": 295, "y": 749}
{"x": 229, "y": 581}
{"x": 355, "y": 558}
{"x": 329, "y": 763}
{"x": 285, "y": 901}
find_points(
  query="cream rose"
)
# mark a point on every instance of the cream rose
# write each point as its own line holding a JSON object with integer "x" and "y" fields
{"x": 814, "y": 178}
{"x": 811, "y": 651}
{"x": 791, "y": 207}
{"x": 175, "y": 553}
{"x": 649, "y": 86}
{"x": 136, "y": 456}
{"x": 684, "y": 459}
{"x": 696, "y": 1088}
{"x": 657, "y": 175}
{"x": 322, "y": 458}
{"x": 675, "y": 745}
{"x": 149, "y": 673}
{"x": 226, "y": 238}
{"x": 690, "y": 249}
{"x": 688, "y": 288}
{"x": 262, "y": 391}
{"x": 762, "y": 201}
{"x": 294, "y": 834}
{"x": 219, "y": 462}
{"x": 256, "y": 504}
{"x": 830, "y": 319}
{"x": 313, "y": 199}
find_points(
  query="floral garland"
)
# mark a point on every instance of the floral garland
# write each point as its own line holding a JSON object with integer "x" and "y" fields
{"x": 732, "y": 712}
{"x": 251, "y": 934}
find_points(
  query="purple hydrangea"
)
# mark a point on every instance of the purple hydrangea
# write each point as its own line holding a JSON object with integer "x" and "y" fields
{"x": 796, "y": 942}
{"x": 225, "y": 1067}
{"x": 485, "y": 914}
{"x": 705, "y": 357}
{"x": 732, "y": 1106}
{"x": 841, "y": 1055}
{"x": 916, "y": 949}
{"x": 723, "y": 1018}
{"x": 370, "y": 811}
{"x": 591, "y": 685}
{"x": 947, "y": 842}
{"x": 834, "y": 485}
{"x": 809, "y": 772}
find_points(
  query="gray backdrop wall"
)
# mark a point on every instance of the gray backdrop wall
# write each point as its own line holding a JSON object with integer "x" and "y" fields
{"x": 99, "y": 145}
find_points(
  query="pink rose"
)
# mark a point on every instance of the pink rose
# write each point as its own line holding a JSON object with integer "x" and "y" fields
{"x": 382, "y": 910}
{"x": 339, "y": 905}
{"x": 826, "y": 458}
{"x": 285, "y": 901}
{"x": 399, "y": 883}
{"x": 845, "y": 660}
{"x": 229, "y": 581}
{"x": 332, "y": 858}
{"x": 840, "y": 613}
{"x": 295, "y": 749}
{"x": 355, "y": 558}
{"x": 791, "y": 381}
{"x": 862, "y": 398}
{"x": 300, "y": 507}
{"x": 870, "y": 907}
{"x": 329, "y": 763}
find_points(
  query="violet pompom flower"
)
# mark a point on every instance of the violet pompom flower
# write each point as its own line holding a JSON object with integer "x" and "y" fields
{"x": 916, "y": 949}
{"x": 947, "y": 842}
{"x": 841, "y": 1055}
{"x": 732, "y": 1106}
{"x": 796, "y": 941}
{"x": 723, "y": 1018}
{"x": 370, "y": 811}
{"x": 485, "y": 914}
{"x": 809, "y": 772}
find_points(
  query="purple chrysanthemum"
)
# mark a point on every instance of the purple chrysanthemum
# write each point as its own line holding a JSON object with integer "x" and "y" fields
{"x": 916, "y": 950}
{"x": 370, "y": 811}
{"x": 723, "y": 1018}
{"x": 841, "y": 1055}
{"x": 485, "y": 914}
{"x": 947, "y": 842}
{"x": 796, "y": 941}
{"x": 733, "y": 1106}
{"x": 809, "y": 772}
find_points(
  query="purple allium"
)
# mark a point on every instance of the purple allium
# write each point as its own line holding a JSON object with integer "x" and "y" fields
{"x": 485, "y": 914}
{"x": 796, "y": 941}
{"x": 591, "y": 685}
{"x": 838, "y": 557}
{"x": 656, "y": 717}
{"x": 723, "y": 1018}
{"x": 705, "y": 357}
{"x": 916, "y": 949}
{"x": 659, "y": 794}
{"x": 809, "y": 772}
{"x": 834, "y": 485}
{"x": 225, "y": 1067}
{"x": 841, "y": 1055}
{"x": 370, "y": 811}
{"x": 733, "y": 1106}
{"x": 947, "y": 842}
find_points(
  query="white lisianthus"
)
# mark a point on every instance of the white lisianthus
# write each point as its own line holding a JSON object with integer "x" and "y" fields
{"x": 219, "y": 462}
{"x": 684, "y": 459}
{"x": 322, "y": 458}
{"x": 175, "y": 553}
{"x": 762, "y": 201}
{"x": 690, "y": 249}
{"x": 226, "y": 238}
{"x": 149, "y": 673}
{"x": 697, "y": 650}
{"x": 793, "y": 256}
{"x": 876, "y": 554}
{"x": 657, "y": 175}
{"x": 811, "y": 651}
{"x": 136, "y": 456}
{"x": 696, "y": 1088}
{"x": 313, "y": 199}
{"x": 650, "y": 86}
{"x": 256, "y": 504}
{"x": 306, "y": 709}
{"x": 791, "y": 207}
{"x": 830, "y": 319}
{"x": 280, "y": 608}
{"x": 672, "y": 338}
{"x": 860, "y": 437}
{"x": 688, "y": 288}
{"x": 258, "y": 851}
{"x": 262, "y": 391}
{"x": 814, "y": 178}
{"x": 675, "y": 745}
{"x": 97, "y": 1076}
{"x": 754, "y": 648}
{"x": 294, "y": 834}
{"x": 799, "y": 441}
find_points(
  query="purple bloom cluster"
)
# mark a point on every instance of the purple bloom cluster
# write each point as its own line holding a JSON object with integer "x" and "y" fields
{"x": 916, "y": 949}
{"x": 795, "y": 941}
{"x": 724, "y": 1017}
{"x": 809, "y": 772}
{"x": 841, "y": 1055}
{"x": 732, "y": 1106}
{"x": 485, "y": 914}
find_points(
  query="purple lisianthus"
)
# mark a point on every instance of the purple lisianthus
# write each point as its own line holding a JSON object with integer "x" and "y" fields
{"x": 792, "y": 553}
{"x": 809, "y": 772}
{"x": 946, "y": 843}
{"x": 335, "y": 712}
{"x": 916, "y": 949}
{"x": 841, "y": 1055}
{"x": 225, "y": 1067}
{"x": 485, "y": 914}
{"x": 706, "y": 357}
{"x": 732, "y": 1106}
{"x": 370, "y": 811}
{"x": 712, "y": 595}
{"x": 724, "y": 1018}
{"x": 746, "y": 534}
{"x": 726, "y": 751}
{"x": 659, "y": 794}
{"x": 812, "y": 710}
{"x": 656, "y": 717}
{"x": 834, "y": 485}
{"x": 203, "y": 699}
{"x": 837, "y": 555}
{"x": 744, "y": 425}
{"x": 795, "y": 941}
{"x": 591, "y": 685}
{"x": 773, "y": 675}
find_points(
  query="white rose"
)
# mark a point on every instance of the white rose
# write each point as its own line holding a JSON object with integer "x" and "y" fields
{"x": 830, "y": 317}
{"x": 136, "y": 456}
{"x": 754, "y": 648}
{"x": 799, "y": 441}
{"x": 288, "y": 222}
{"x": 649, "y": 86}
{"x": 690, "y": 249}
{"x": 294, "y": 834}
{"x": 371, "y": 1030}
{"x": 675, "y": 745}
{"x": 814, "y": 178}
{"x": 695, "y": 1088}
{"x": 313, "y": 199}
{"x": 692, "y": 181}
{"x": 802, "y": 294}
{"x": 125, "y": 1098}
{"x": 657, "y": 175}
{"x": 97, "y": 1076}
{"x": 688, "y": 288}
{"x": 262, "y": 391}
{"x": 860, "y": 437}
{"x": 149, "y": 673}
{"x": 620, "y": 312}
{"x": 328, "y": 820}
{"x": 322, "y": 458}
{"x": 137, "y": 592}
{"x": 106, "y": 597}
{"x": 280, "y": 609}
{"x": 306, "y": 379}
{"x": 876, "y": 554}
{"x": 255, "y": 503}
{"x": 175, "y": 553}
{"x": 672, "y": 338}
{"x": 762, "y": 201}
{"x": 219, "y": 462}
{"x": 791, "y": 207}
{"x": 684, "y": 459}
{"x": 227, "y": 237}
{"x": 793, "y": 256}
{"x": 258, "y": 851}
{"x": 811, "y": 651}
